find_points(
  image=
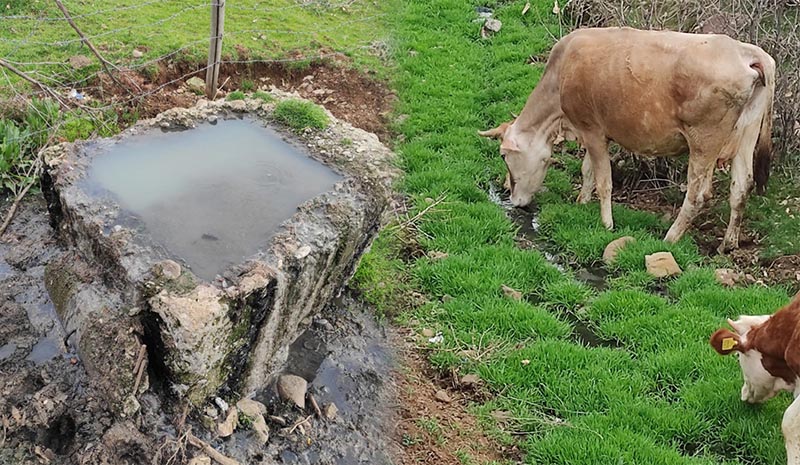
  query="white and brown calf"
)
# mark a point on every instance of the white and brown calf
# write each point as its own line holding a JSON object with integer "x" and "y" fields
{"x": 768, "y": 347}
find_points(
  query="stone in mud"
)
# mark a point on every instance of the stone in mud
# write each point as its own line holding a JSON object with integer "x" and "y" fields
{"x": 168, "y": 269}
{"x": 255, "y": 411}
{"x": 727, "y": 277}
{"x": 330, "y": 411}
{"x": 443, "y": 396}
{"x": 196, "y": 85}
{"x": 293, "y": 388}
{"x": 227, "y": 427}
{"x": 200, "y": 460}
{"x": 470, "y": 380}
{"x": 662, "y": 264}
{"x": 613, "y": 248}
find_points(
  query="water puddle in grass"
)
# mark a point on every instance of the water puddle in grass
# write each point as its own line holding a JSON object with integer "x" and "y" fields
{"x": 528, "y": 221}
{"x": 212, "y": 195}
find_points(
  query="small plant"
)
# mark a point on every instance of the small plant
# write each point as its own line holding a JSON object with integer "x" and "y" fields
{"x": 248, "y": 85}
{"x": 236, "y": 95}
{"x": 300, "y": 114}
{"x": 264, "y": 96}
{"x": 245, "y": 421}
{"x": 346, "y": 142}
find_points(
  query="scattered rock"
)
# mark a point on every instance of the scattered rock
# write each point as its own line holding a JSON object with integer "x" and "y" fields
{"x": 79, "y": 61}
{"x": 470, "y": 380}
{"x": 200, "y": 460}
{"x": 613, "y": 248}
{"x": 196, "y": 85}
{"x": 324, "y": 324}
{"x": 137, "y": 53}
{"x": 435, "y": 255}
{"x": 302, "y": 252}
{"x": 221, "y": 404}
{"x": 427, "y": 332}
{"x": 330, "y": 411}
{"x": 493, "y": 25}
{"x": 443, "y": 396}
{"x": 293, "y": 388}
{"x": 212, "y": 412}
{"x": 447, "y": 298}
{"x": 662, "y": 264}
{"x": 227, "y": 427}
{"x": 255, "y": 410}
{"x": 526, "y": 362}
{"x": 727, "y": 277}
{"x": 169, "y": 269}
{"x": 512, "y": 293}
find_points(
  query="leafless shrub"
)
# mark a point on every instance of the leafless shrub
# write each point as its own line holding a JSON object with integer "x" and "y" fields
{"x": 774, "y": 25}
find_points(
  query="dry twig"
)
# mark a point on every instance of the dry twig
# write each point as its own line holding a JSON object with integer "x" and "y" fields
{"x": 210, "y": 451}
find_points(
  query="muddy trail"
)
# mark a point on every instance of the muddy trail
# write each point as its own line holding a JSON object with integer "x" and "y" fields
{"x": 51, "y": 414}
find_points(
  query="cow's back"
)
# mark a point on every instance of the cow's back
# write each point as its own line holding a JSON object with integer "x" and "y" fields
{"x": 642, "y": 88}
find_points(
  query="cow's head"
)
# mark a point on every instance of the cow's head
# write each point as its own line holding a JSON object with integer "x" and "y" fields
{"x": 527, "y": 158}
{"x": 759, "y": 384}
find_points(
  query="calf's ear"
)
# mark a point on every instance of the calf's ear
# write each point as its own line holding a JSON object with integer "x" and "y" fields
{"x": 724, "y": 341}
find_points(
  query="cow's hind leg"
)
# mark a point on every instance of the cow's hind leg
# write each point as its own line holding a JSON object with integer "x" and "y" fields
{"x": 600, "y": 163}
{"x": 741, "y": 185}
{"x": 701, "y": 171}
{"x": 587, "y": 188}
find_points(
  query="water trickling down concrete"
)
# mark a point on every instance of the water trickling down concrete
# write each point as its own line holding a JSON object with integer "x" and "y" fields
{"x": 212, "y": 195}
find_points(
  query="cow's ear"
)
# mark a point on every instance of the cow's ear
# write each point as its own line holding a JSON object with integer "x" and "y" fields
{"x": 509, "y": 144}
{"x": 724, "y": 341}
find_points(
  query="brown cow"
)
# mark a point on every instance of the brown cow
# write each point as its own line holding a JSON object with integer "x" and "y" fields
{"x": 655, "y": 93}
{"x": 769, "y": 354}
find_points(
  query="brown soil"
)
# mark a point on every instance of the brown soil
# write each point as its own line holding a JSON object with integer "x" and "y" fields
{"x": 708, "y": 230}
{"x": 349, "y": 94}
{"x": 431, "y": 431}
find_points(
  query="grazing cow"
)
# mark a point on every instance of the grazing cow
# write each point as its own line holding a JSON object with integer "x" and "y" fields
{"x": 769, "y": 354}
{"x": 655, "y": 93}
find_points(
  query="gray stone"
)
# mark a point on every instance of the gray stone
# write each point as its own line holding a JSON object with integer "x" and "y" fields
{"x": 137, "y": 53}
{"x": 330, "y": 411}
{"x": 493, "y": 25}
{"x": 255, "y": 411}
{"x": 196, "y": 85}
{"x": 293, "y": 388}
{"x": 228, "y": 426}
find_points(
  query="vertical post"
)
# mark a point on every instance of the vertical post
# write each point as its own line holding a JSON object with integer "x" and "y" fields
{"x": 215, "y": 47}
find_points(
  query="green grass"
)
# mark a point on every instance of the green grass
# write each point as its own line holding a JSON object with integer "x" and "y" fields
{"x": 254, "y": 30}
{"x": 300, "y": 114}
{"x": 236, "y": 95}
{"x": 664, "y": 396}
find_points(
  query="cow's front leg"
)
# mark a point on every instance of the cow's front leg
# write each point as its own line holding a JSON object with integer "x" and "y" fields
{"x": 701, "y": 174}
{"x": 587, "y": 188}
{"x": 600, "y": 163}
{"x": 791, "y": 432}
{"x": 741, "y": 185}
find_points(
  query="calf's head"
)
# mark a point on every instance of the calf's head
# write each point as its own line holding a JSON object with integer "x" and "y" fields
{"x": 527, "y": 157}
{"x": 761, "y": 373}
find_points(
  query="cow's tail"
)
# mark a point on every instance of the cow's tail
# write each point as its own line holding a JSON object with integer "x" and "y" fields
{"x": 762, "y": 158}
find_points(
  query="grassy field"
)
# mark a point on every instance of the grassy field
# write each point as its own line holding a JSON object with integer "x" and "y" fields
{"x": 34, "y": 34}
{"x": 657, "y": 393}
{"x": 652, "y": 391}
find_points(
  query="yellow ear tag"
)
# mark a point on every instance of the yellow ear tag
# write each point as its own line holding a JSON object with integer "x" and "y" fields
{"x": 728, "y": 343}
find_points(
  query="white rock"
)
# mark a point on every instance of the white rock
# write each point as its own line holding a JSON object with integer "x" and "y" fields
{"x": 293, "y": 388}
{"x": 613, "y": 248}
{"x": 662, "y": 264}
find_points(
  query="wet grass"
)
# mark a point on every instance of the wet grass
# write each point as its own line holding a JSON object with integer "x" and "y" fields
{"x": 662, "y": 396}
